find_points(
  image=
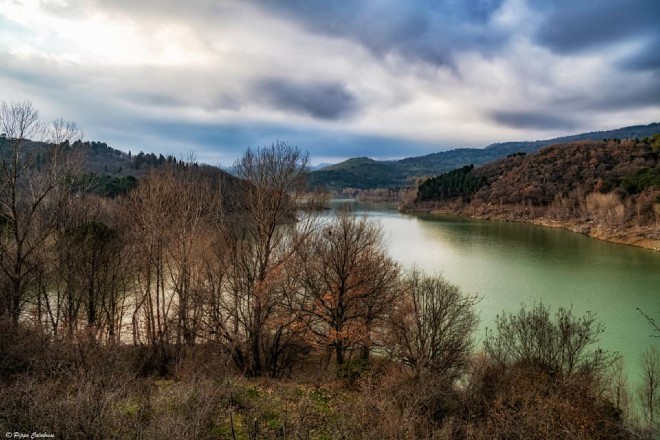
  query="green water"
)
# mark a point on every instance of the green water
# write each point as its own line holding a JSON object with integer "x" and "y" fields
{"x": 508, "y": 264}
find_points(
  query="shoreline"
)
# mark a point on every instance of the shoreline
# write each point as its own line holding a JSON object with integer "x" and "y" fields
{"x": 627, "y": 237}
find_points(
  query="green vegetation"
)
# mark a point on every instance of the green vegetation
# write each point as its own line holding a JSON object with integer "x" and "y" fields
{"x": 457, "y": 183}
{"x": 654, "y": 141}
{"x": 107, "y": 185}
{"x": 647, "y": 178}
{"x": 365, "y": 173}
{"x": 360, "y": 173}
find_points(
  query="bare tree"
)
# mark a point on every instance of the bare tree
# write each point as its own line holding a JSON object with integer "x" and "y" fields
{"x": 348, "y": 284}
{"x": 432, "y": 328}
{"x": 563, "y": 346}
{"x": 147, "y": 209}
{"x": 195, "y": 217}
{"x": 34, "y": 180}
{"x": 649, "y": 391}
{"x": 616, "y": 389}
{"x": 64, "y": 297}
{"x": 260, "y": 239}
{"x": 89, "y": 284}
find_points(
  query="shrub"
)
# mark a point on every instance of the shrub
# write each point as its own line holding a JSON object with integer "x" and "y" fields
{"x": 352, "y": 370}
{"x": 561, "y": 346}
{"x": 431, "y": 331}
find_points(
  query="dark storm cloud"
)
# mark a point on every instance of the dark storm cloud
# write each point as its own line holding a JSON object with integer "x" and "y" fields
{"x": 645, "y": 92}
{"x": 633, "y": 102}
{"x": 418, "y": 30}
{"x": 324, "y": 100}
{"x": 628, "y": 98}
{"x": 569, "y": 26}
{"x": 534, "y": 120}
{"x": 647, "y": 58}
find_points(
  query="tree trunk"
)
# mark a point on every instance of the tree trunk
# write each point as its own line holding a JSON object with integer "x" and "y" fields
{"x": 339, "y": 352}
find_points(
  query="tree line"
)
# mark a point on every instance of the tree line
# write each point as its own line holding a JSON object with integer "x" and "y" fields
{"x": 458, "y": 183}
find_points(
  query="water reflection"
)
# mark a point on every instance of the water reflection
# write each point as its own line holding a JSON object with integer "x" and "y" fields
{"x": 508, "y": 264}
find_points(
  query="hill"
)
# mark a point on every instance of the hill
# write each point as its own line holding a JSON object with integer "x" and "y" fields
{"x": 359, "y": 172}
{"x": 609, "y": 189}
{"x": 365, "y": 173}
{"x": 111, "y": 172}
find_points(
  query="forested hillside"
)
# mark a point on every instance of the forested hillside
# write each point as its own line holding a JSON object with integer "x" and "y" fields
{"x": 607, "y": 187}
{"x": 365, "y": 173}
{"x": 107, "y": 171}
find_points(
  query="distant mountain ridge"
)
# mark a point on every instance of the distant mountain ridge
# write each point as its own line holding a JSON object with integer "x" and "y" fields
{"x": 366, "y": 173}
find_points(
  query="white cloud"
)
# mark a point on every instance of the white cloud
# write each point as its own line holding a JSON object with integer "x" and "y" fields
{"x": 122, "y": 63}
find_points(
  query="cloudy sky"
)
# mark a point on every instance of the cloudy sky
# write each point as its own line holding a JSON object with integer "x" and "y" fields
{"x": 342, "y": 78}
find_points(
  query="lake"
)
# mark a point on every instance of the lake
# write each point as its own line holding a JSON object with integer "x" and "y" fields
{"x": 510, "y": 264}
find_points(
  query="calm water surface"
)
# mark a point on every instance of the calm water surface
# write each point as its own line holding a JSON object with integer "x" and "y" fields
{"x": 508, "y": 264}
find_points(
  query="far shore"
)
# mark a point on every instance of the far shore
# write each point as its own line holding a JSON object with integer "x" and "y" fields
{"x": 630, "y": 236}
